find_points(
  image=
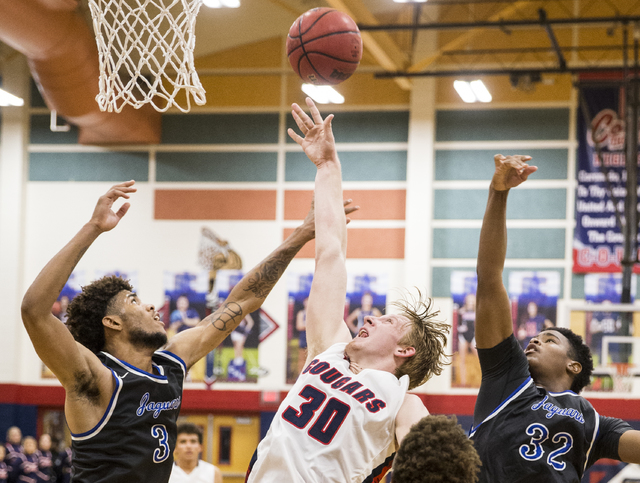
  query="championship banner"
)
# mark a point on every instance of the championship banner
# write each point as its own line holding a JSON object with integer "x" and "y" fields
{"x": 598, "y": 244}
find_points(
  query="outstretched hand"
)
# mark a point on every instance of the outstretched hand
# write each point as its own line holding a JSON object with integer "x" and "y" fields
{"x": 318, "y": 142}
{"x": 104, "y": 218}
{"x": 511, "y": 171}
{"x": 309, "y": 224}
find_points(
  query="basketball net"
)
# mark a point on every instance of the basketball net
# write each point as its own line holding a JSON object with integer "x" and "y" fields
{"x": 145, "y": 51}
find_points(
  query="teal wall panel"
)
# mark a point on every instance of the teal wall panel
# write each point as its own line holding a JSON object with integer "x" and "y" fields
{"x": 441, "y": 278}
{"x": 477, "y": 164}
{"x": 524, "y": 204}
{"x": 502, "y": 124}
{"x": 522, "y": 243}
{"x": 366, "y": 127}
{"x": 356, "y": 166}
{"x": 42, "y": 134}
{"x": 110, "y": 166}
{"x": 173, "y": 166}
{"x": 220, "y": 128}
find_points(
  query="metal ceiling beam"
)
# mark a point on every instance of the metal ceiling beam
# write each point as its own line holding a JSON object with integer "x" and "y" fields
{"x": 464, "y": 38}
{"x": 501, "y": 23}
{"x": 507, "y": 71}
{"x": 382, "y": 47}
{"x": 562, "y": 63}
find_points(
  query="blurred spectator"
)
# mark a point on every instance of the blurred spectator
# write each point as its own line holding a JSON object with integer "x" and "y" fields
{"x": 62, "y": 466}
{"x": 14, "y": 455}
{"x": 4, "y": 473}
{"x": 29, "y": 470}
{"x": 45, "y": 457}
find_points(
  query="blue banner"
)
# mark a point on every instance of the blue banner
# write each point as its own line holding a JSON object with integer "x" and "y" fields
{"x": 598, "y": 242}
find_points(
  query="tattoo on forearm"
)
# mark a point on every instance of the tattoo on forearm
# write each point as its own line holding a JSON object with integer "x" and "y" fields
{"x": 268, "y": 273}
{"x": 231, "y": 312}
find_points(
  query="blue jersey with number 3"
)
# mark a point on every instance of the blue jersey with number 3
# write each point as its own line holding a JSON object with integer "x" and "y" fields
{"x": 534, "y": 435}
{"x": 135, "y": 438}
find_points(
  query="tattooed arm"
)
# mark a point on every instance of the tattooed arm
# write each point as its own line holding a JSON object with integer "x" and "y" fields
{"x": 247, "y": 296}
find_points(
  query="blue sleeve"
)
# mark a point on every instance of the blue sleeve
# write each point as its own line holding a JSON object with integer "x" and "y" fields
{"x": 504, "y": 368}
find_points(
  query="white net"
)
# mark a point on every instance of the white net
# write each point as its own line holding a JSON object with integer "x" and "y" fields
{"x": 145, "y": 49}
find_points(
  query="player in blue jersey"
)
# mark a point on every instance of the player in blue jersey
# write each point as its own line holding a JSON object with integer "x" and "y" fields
{"x": 530, "y": 424}
{"x": 123, "y": 394}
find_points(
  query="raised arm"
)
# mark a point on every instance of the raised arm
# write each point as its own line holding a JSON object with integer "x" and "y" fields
{"x": 493, "y": 308}
{"x": 325, "y": 309}
{"x": 54, "y": 344}
{"x": 629, "y": 447}
{"x": 247, "y": 296}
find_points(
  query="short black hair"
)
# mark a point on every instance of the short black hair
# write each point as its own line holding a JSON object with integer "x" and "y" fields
{"x": 437, "y": 450}
{"x": 190, "y": 428}
{"x": 88, "y": 308}
{"x": 581, "y": 353}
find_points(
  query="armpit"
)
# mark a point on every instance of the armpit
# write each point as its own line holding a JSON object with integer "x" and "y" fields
{"x": 86, "y": 387}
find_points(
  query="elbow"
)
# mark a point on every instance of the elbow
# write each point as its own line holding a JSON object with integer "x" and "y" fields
{"x": 333, "y": 253}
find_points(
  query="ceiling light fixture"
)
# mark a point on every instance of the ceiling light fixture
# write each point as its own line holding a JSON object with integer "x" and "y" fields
{"x": 473, "y": 91}
{"x": 410, "y": 1}
{"x": 7, "y": 99}
{"x": 323, "y": 94}
{"x": 222, "y": 3}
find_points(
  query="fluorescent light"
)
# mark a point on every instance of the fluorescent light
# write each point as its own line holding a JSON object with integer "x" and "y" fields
{"x": 481, "y": 91}
{"x": 464, "y": 91}
{"x": 473, "y": 91}
{"x": 410, "y": 1}
{"x": 7, "y": 99}
{"x": 323, "y": 94}
{"x": 222, "y": 3}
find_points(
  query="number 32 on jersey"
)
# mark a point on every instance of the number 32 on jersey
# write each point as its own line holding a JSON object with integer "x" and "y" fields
{"x": 332, "y": 414}
{"x": 534, "y": 451}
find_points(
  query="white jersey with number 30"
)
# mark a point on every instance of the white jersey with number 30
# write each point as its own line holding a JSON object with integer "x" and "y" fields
{"x": 333, "y": 426}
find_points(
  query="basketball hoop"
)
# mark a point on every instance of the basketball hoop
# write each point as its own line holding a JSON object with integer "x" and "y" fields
{"x": 145, "y": 50}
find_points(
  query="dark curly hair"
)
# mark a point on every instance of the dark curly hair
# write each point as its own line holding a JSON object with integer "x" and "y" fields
{"x": 87, "y": 309}
{"x": 581, "y": 353}
{"x": 436, "y": 450}
{"x": 428, "y": 337}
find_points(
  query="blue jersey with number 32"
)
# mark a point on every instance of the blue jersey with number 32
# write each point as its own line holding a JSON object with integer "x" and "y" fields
{"x": 135, "y": 438}
{"x": 534, "y": 435}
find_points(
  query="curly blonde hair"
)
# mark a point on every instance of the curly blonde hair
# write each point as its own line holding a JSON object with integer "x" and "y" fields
{"x": 427, "y": 336}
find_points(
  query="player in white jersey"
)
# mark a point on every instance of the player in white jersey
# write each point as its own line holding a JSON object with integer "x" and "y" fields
{"x": 188, "y": 467}
{"x": 348, "y": 411}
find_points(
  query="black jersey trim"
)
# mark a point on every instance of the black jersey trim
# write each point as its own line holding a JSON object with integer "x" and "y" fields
{"x": 107, "y": 414}
{"x": 125, "y": 365}
{"x": 494, "y": 413}
{"x": 172, "y": 357}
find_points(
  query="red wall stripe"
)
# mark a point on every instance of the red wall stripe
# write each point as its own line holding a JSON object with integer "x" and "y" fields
{"x": 215, "y": 205}
{"x": 250, "y": 401}
{"x": 365, "y": 243}
{"x": 374, "y": 204}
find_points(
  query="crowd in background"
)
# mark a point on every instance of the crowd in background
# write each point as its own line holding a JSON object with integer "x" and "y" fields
{"x": 25, "y": 460}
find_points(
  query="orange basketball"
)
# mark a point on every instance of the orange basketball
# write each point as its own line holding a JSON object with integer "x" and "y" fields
{"x": 324, "y": 46}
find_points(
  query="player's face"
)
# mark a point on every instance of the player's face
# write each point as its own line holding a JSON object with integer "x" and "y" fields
{"x": 188, "y": 448}
{"x": 547, "y": 354}
{"x": 141, "y": 321}
{"x": 382, "y": 334}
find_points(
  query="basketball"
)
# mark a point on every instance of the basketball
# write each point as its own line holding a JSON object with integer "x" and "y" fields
{"x": 324, "y": 46}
